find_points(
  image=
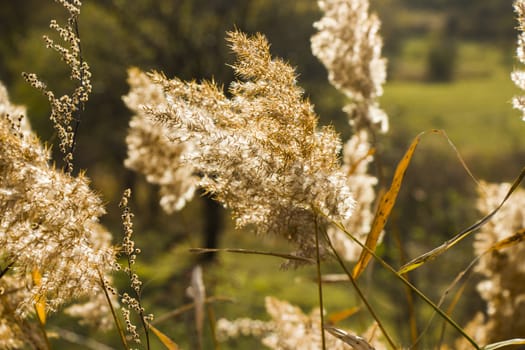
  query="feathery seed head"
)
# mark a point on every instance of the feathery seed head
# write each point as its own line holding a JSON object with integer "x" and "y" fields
{"x": 260, "y": 152}
{"x": 49, "y": 221}
{"x": 349, "y": 45}
{"x": 150, "y": 151}
{"x": 502, "y": 270}
{"x": 518, "y": 76}
{"x": 288, "y": 329}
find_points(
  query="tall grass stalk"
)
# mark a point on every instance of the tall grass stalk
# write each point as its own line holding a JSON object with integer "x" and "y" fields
{"x": 42, "y": 328}
{"x": 409, "y": 296}
{"x": 213, "y": 326}
{"x": 410, "y": 285}
{"x": 129, "y": 250}
{"x": 319, "y": 284}
{"x": 360, "y": 293}
{"x": 116, "y": 320}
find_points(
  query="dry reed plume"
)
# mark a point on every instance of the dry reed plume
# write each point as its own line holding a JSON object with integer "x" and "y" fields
{"x": 259, "y": 153}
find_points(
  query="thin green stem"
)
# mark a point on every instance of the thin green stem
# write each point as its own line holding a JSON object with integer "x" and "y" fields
{"x": 187, "y": 307}
{"x": 80, "y": 106}
{"x": 407, "y": 283}
{"x": 213, "y": 327}
{"x": 250, "y": 251}
{"x": 113, "y": 313}
{"x": 409, "y": 296}
{"x": 360, "y": 293}
{"x": 319, "y": 283}
{"x": 138, "y": 296}
{"x": 403, "y": 280}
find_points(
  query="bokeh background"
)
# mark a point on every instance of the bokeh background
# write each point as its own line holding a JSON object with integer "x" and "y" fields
{"x": 449, "y": 64}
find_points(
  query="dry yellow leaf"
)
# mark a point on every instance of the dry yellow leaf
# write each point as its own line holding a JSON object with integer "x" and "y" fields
{"x": 40, "y": 302}
{"x": 385, "y": 207}
{"x": 164, "y": 339}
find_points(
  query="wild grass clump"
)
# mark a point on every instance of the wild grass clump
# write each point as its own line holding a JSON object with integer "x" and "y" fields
{"x": 256, "y": 149}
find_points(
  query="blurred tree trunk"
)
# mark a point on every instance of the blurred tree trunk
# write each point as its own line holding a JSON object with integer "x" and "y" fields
{"x": 213, "y": 213}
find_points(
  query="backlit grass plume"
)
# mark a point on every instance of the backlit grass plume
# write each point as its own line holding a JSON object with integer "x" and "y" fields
{"x": 289, "y": 329}
{"x": 260, "y": 152}
{"x": 48, "y": 227}
{"x": 65, "y": 110}
{"x": 349, "y": 45}
{"x": 518, "y": 76}
{"x": 357, "y": 157}
{"x": 502, "y": 270}
{"x": 150, "y": 151}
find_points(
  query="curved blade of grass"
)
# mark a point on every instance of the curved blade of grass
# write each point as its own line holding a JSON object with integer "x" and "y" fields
{"x": 384, "y": 209}
{"x": 122, "y": 336}
{"x": 403, "y": 280}
{"x": 249, "y": 251}
{"x": 163, "y": 338}
{"x": 460, "y": 158}
{"x": 502, "y": 244}
{"x": 358, "y": 290}
{"x": 434, "y": 253}
{"x": 387, "y": 200}
{"x": 187, "y": 307}
{"x": 509, "y": 241}
{"x": 501, "y": 344}
{"x": 411, "y": 308}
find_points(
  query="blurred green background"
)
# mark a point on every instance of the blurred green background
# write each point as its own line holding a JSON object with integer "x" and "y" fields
{"x": 449, "y": 68}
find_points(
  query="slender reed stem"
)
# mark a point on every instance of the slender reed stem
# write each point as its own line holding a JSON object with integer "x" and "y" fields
{"x": 184, "y": 308}
{"x": 319, "y": 283}
{"x": 360, "y": 293}
{"x": 213, "y": 327}
{"x": 407, "y": 283}
{"x": 408, "y": 292}
{"x": 138, "y": 295}
{"x": 80, "y": 106}
{"x": 42, "y": 328}
{"x": 251, "y": 252}
{"x": 113, "y": 313}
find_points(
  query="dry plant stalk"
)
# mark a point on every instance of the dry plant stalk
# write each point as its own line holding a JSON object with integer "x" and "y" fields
{"x": 49, "y": 224}
{"x": 53, "y": 248}
{"x": 65, "y": 110}
{"x": 132, "y": 302}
